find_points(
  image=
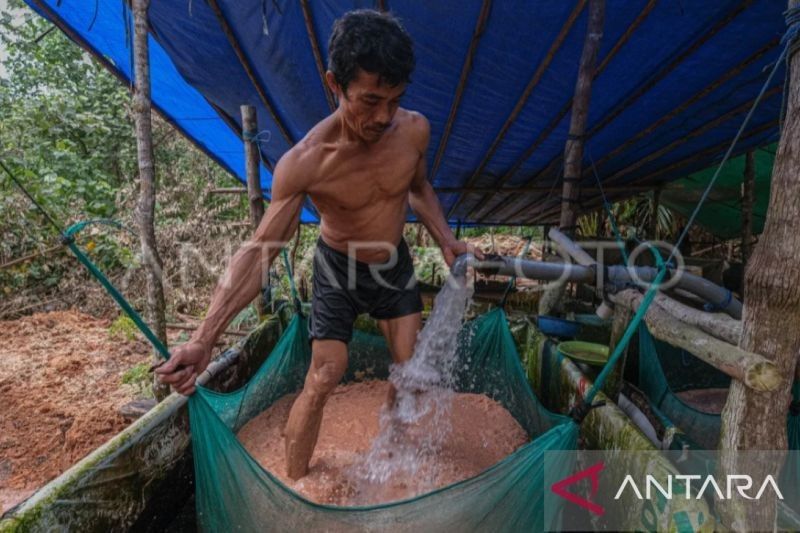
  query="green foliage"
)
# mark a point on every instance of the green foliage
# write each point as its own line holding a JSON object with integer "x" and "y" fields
{"x": 140, "y": 378}
{"x": 67, "y": 133}
{"x": 123, "y": 328}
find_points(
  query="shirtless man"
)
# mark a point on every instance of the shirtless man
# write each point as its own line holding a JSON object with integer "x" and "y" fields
{"x": 362, "y": 167}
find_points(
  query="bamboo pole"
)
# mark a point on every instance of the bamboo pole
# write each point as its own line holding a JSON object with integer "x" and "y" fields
{"x": 748, "y": 195}
{"x": 147, "y": 183}
{"x": 752, "y": 369}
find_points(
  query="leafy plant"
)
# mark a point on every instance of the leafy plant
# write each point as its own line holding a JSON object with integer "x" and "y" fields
{"x": 140, "y": 378}
{"x": 123, "y": 328}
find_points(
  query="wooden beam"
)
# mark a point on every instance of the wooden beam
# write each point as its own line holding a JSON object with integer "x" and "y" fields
{"x": 735, "y": 71}
{"x": 480, "y": 26}
{"x": 751, "y": 369}
{"x": 255, "y": 197}
{"x": 738, "y": 110}
{"x": 249, "y": 70}
{"x": 522, "y": 100}
{"x": 718, "y": 325}
{"x": 315, "y": 50}
{"x": 156, "y": 314}
{"x": 748, "y": 197}
{"x": 643, "y": 14}
{"x": 662, "y": 120}
{"x": 550, "y": 167}
{"x": 646, "y": 180}
{"x": 573, "y": 150}
{"x": 229, "y": 190}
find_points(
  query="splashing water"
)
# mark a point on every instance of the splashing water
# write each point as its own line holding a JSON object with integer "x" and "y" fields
{"x": 403, "y": 459}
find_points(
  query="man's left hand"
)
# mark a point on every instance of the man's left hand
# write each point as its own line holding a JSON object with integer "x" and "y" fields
{"x": 453, "y": 249}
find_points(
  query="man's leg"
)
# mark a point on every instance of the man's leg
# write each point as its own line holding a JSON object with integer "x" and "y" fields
{"x": 328, "y": 365}
{"x": 401, "y": 336}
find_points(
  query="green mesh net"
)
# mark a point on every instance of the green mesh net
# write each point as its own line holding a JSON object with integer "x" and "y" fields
{"x": 665, "y": 370}
{"x": 233, "y": 492}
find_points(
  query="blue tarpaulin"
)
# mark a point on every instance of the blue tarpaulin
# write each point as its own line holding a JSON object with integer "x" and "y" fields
{"x": 675, "y": 81}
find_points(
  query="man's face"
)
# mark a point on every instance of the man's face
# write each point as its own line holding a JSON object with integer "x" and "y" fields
{"x": 368, "y": 106}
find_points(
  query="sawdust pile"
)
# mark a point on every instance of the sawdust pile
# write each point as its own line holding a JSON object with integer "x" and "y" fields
{"x": 483, "y": 433}
{"x": 60, "y": 389}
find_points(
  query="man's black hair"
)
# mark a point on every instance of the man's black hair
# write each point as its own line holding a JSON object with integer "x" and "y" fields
{"x": 373, "y": 41}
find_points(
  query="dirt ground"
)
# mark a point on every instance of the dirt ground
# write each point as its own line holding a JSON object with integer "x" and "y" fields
{"x": 60, "y": 389}
{"x": 482, "y": 433}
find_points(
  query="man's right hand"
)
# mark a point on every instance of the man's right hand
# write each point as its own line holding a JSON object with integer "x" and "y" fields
{"x": 187, "y": 362}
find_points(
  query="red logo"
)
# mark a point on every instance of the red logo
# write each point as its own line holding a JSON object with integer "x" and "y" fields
{"x": 593, "y": 472}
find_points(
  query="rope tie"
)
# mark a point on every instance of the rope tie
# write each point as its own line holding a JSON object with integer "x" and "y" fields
{"x": 582, "y": 409}
{"x": 255, "y": 136}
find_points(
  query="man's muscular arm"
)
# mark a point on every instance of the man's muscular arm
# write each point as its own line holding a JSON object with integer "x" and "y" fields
{"x": 241, "y": 282}
{"x": 424, "y": 202}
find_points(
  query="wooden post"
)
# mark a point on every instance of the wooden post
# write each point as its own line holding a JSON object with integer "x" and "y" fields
{"x": 147, "y": 183}
{"x": 751, "y": 369}
{"x": 652, "y": 231}
{"x": 613, "y": 385}
{"x": 573, "y": 150}
{"x": 252, "y": 159}
{"x": 754, "y": 420}
{"x": 748, "y": 196}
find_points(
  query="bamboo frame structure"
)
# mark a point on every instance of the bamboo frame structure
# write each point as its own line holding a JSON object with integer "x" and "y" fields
{"x": 315, "y": 50}
{"x": 522, "y": 100}
{"x": 751, "y": 369}
{"x": 480, "y": 27}
{"x": 644, "y": 181}
{"x": 247, "y": 66}
{"x": 662, "y": 120}
{"x": 545, "y": 133}
{"x": 573, "y": 149}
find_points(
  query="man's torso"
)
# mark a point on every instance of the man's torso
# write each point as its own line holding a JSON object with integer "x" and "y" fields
{"x": 361, "y": 191}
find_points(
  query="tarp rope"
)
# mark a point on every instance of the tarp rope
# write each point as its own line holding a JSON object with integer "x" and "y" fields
{"x": 790, "y": 42}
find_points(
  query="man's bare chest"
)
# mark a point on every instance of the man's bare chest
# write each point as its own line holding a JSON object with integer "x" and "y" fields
{"x": 359, "y": 181}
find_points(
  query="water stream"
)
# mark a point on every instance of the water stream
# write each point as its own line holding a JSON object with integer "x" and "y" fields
{"x": 402, "y": 461}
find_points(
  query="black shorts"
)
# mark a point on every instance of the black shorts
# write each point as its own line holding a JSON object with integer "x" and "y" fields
{"x": 384, "y": 291}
